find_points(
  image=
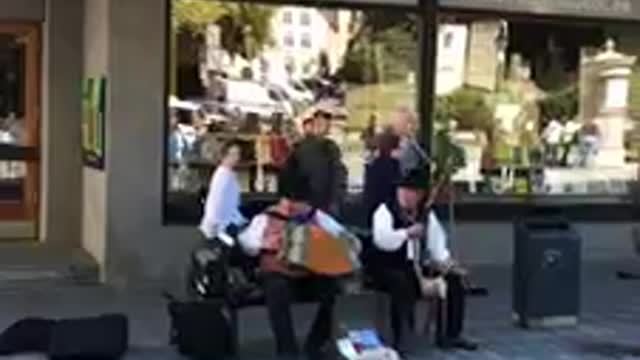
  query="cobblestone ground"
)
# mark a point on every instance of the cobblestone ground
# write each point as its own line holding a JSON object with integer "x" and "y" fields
{"x": 609, "y": 327}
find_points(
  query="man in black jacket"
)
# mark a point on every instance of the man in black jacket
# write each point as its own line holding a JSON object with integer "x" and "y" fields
{"x": 320, "y": 160}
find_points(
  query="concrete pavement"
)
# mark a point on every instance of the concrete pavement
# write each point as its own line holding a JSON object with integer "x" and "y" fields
{"x": 608, "y": 330}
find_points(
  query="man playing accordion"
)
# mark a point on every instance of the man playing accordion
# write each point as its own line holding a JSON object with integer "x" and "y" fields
{"x": 300, "y": 248}
{"x": 397, "y": 264}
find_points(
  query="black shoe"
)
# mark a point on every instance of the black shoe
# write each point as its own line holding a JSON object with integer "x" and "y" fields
{"x": 288, "y": 354}
{"x": 457, "y": 343}
{"x": 407, "y": 347}
{"x": 316, "y": 352}
{"x": 288, "y": 357}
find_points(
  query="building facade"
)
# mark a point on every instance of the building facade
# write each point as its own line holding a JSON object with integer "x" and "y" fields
{"x": 116, "y": 212}
{"x": 301, "y": 35}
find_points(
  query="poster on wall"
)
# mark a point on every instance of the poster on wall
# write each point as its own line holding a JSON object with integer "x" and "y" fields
{"x": 93, "y": 121}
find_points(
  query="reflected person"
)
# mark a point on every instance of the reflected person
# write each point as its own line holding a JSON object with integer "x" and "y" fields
{"x": 412, "y": 156}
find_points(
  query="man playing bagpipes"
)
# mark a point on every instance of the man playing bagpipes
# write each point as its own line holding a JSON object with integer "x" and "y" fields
{"x": 407, "y": 270}
{"x": 300, "y": 248}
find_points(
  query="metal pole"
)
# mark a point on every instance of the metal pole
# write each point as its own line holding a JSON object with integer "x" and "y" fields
{"x": 427, "y": 45}
{"x": 427, "y": 51}
{"x": 452, "y": 218}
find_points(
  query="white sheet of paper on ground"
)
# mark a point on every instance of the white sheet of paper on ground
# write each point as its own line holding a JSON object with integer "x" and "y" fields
{"x": 379, "y": 354}
{"x": 346, "y": 349}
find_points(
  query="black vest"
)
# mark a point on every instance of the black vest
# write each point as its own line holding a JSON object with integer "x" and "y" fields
{"x": 396, "y": 259}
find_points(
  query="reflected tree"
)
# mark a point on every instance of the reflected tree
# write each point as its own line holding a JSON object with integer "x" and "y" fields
{"x": 382, "y": 49}
{"x": 244, "y": 28}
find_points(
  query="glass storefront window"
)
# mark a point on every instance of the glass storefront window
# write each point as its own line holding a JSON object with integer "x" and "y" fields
{"x": 543, "y": 104}
{"x": 539, "y": 108}
{"x": 255, "y": 72}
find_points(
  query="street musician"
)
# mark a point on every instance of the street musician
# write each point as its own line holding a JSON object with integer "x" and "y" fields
{"x": 300, "y": 249}
{"x": 397, "y": 225}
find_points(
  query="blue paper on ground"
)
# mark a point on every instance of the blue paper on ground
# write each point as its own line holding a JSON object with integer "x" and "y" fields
{"x": 365, "y": 339}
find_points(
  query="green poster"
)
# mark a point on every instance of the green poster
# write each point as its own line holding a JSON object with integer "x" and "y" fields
{"x": 93, "y": 121}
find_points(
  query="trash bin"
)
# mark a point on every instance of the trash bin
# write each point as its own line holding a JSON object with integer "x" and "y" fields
{"x": 546, "y": 271}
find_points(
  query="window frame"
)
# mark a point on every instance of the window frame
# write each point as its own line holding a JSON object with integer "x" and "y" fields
{"x": 306, "y": 41}
{"x": 609, "y": 208}
{"x": 305, "y": 18}
{"x": 289, "y": 41}
{"x": 447, "y": 40}
{"x": 287, "y": 17}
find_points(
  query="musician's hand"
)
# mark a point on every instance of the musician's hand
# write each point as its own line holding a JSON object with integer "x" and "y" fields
{"x": 457, "y": 269}
{"x": 451, "y": 263}
{"x": 461, "y": 271}
{"x": 448, "y": 266}
{"x": 416, "y": 231}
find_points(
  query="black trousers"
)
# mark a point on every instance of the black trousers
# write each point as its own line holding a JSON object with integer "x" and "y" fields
{"x": 450, "y": 320}
{"x": 280, "y": 290}
{"x": 402, "y": 286}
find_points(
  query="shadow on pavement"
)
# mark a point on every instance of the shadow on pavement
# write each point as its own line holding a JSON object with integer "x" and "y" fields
{"x": 610, "y": 350}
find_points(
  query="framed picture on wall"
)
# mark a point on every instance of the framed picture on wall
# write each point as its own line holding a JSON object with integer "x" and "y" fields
{"x": 93, "y": 122}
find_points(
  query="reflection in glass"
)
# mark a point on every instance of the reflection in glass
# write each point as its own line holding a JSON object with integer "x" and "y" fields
{"x": 12, "y": 89}
{"x": 306, "y": 41}
{"x": 12, "y": 177}
{"x": 281, "y": 64}
{"x": 539, "y": 108}
{"x": 287, "y": 17}
{"x": 305, "y": 18}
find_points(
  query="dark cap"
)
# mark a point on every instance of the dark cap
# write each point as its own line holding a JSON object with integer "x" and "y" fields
{"x": 414, "y": 179}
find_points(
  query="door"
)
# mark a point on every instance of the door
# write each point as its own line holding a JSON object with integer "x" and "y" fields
{"x": 19, "y": 130}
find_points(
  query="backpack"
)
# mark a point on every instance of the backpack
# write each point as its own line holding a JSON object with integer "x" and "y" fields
{"x": 201, "y": 329}
{"x": 208, "y": 271}
{"x": 220, "y": 272}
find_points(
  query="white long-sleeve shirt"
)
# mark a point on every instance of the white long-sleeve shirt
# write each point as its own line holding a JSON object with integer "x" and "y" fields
{"x": 222, "y": 207}
{"x": 388, "y": 238}
{"x": 251, "y": 238}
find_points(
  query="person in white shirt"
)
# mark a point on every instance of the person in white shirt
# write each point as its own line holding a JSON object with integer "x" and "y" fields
{"x": 222, "y": 205}
{"x": 397, "y": 224}
{"x": 552, "y": 136}
{"x": 569, "y": 139}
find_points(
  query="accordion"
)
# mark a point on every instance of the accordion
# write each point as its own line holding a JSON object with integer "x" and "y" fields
{"x": 321, "y": 246}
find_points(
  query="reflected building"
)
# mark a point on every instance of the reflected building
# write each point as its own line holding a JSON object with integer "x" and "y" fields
{"x": 301, "y": 38}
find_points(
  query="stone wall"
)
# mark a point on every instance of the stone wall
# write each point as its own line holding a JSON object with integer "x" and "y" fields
{"x": 96, "y": 55}
{"x": 61, "y": 162}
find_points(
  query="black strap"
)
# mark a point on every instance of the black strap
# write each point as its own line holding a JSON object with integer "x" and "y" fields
{"x": 287, "y": 218}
